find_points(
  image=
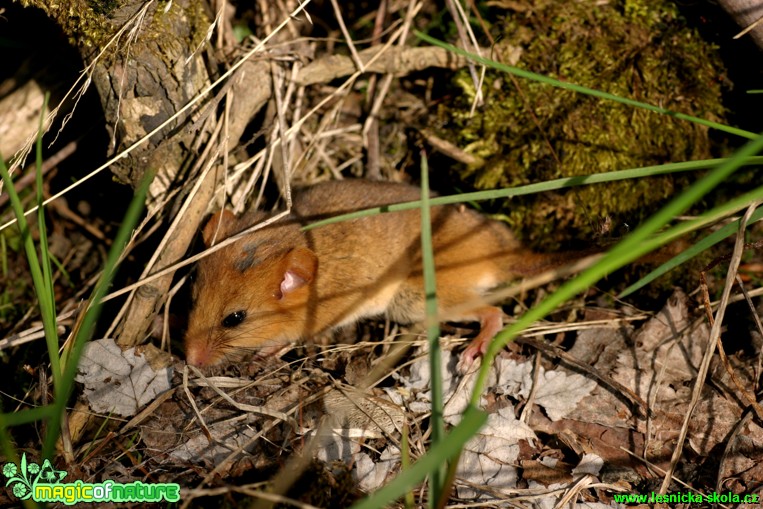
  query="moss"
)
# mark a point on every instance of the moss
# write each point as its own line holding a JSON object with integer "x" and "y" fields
{"x": 87, "y": 23}
{"x": 103, "y": 7}
{"x": 632, "y": 48}
{"x": 81, "y": 20}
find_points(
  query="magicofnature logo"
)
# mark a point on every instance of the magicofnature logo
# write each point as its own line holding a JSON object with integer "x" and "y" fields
{"x": 43, "y": 484}
{"x": 23, "y": 478}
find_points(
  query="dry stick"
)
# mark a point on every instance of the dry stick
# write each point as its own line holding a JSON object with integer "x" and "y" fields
{"x": 97, "y": 449}
{"x": 241, "y": 406}
{"x": 172, "y": 118}
{"x": 165, "y": 342}
{"x": 128, "y": 306}
{"x": 751, "y": 400}
{"x": 65, "y": 212}
{"x": 381, "y": 13}
{"x": 731, "y": 452}
{"x": 451, "y": 150}
{"x": 396, "y": 60}
{"x": 749, "y": 28}
{"x": 714, "y": 338}
{"x": 286, "y": 162}
{"x": 371, "y": 128}
{"x": 22, "y": 153}
{"x": 298, "y": 100}
{"x": 558, "y": 353}
{"x": 413, "y": 7}
{"x": 524, "y": 416}
{"x": 226, "y": 139}
{"x": 148, "y": 411}
{"x": 572, "y": 491}
{"x": 463, "y": 19}
{"x": 317, "y": 142}
{"x": 270, "y": 151}
{"x": 141, "y": 306}
{"x": 240, "y": 204}
{"x": 219, "y": 23}
{"x": 192, "y": 402}
{"x": 466, "y": 35}
{"x": 736, "y": 298}
{"x": 371, "y": 141}
{"x": 230, "y": 240}
{"x": 759, "y": 325}
{"x": 348, "y": 39}
{"x": 289, "y": 96}
{"x": 32, "y": 334}
{"x": 211, "y": 29}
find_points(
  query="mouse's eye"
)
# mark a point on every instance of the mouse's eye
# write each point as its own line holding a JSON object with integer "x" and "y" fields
{"x": 234, "y": 319}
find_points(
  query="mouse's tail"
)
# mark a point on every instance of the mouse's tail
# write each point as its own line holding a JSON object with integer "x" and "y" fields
{"x": 532, "y": 263}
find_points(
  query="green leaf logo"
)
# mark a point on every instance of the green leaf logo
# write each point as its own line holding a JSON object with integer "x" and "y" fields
{"x": 18, "y": 478}
{"x": 22, "y": 478}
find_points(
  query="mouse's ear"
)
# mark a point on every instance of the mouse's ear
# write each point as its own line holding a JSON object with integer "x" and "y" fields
{"x": 220, "y": 224}
{"x": 300, "y": 270}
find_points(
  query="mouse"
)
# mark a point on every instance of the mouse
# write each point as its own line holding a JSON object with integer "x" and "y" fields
{"x": 279, "y": 285}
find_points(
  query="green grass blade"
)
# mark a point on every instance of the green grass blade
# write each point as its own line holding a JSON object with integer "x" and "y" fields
{"x": 712, "y": 216}
{"x": 433, "y": 333}
{"x": 631, "y": 248}
{"x": 25, "y": 416}
{"x": 448, "y": 449}
{"x": 49, "y": 323}
{"x": 64, "y": 273}
{"x": 93, "y": 311}
{"x": 516, "y": 71}
{"x": 46, "y": 295}
{"x": 550, "y": 185}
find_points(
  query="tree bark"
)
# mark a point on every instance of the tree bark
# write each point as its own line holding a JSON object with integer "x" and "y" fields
{"x": 147, "y": 65}
{"x": 144, "y": 77}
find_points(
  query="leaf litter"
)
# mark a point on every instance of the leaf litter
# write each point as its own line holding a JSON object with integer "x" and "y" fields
{"x": 541, "y": 415}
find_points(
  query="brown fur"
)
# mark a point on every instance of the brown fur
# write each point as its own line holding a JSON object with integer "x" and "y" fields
{"x": 293, "y": 284}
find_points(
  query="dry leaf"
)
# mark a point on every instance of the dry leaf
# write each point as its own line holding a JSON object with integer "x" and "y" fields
{"x": 489, "y": 458}
{"x": 119, "y": 381}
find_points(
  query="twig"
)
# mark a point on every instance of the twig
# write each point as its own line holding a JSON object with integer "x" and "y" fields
{"x": 558, "y": 353}
{"x": 212, "y": 86}
{"x": 749, "y": 28}
{"x": 466, "y": 35}
{"x": 348, "y": 39}
{"x": 759, "y": 326}
{"x": 749, "y": 397}
{"x": 714, "y": 338}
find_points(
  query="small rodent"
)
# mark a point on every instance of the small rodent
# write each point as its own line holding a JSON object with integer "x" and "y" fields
{"x": 280, "y": 284}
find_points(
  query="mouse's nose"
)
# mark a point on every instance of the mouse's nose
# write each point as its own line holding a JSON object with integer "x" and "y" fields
{"x": 199, "y": 355}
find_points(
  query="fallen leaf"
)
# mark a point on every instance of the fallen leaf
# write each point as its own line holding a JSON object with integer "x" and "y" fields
{"x": 116, "y": 381}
